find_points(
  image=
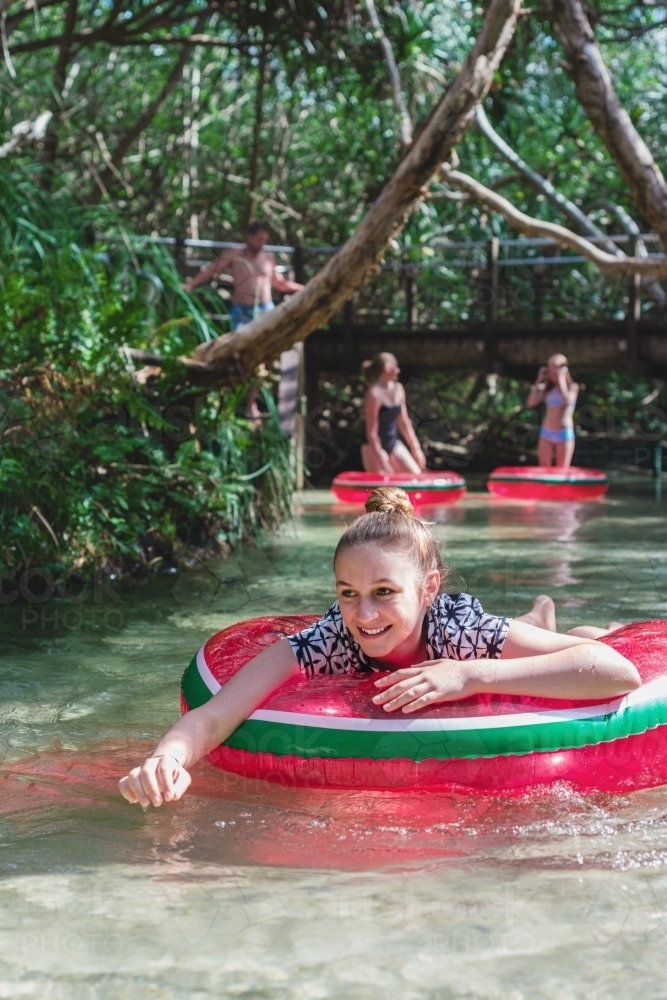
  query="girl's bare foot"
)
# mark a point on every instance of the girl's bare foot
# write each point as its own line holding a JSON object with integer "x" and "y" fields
{"x": 542, "y": 613}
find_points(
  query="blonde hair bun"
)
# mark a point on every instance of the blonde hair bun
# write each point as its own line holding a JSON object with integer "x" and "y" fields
{"x": 389, "y": 500}
{"x": 391, "y": 523}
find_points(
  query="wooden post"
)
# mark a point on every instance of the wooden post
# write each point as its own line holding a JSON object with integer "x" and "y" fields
{"x": 180, "y": 256}
{"x": 300, "y": 422}
{"x": 299, "y": 266}
{"x": 311, "y": 374}
{"x": 348, "y": 328}
{"x": 491, "y": 305}
{"x": 411, "y": 299}
{"x": 253, "y": 169}
{"x": 634, "y": 307}
{"x": 538, "y": 290}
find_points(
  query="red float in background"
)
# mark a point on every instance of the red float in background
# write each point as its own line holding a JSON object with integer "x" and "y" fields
{"x": 541, "y": 482}
{"x": 424, "y": 489}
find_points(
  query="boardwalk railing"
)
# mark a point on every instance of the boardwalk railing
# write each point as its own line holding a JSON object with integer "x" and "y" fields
{"x": 483, "y": 287}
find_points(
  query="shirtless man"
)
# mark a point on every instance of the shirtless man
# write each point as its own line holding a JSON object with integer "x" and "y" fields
{"x": 253, "y": 270}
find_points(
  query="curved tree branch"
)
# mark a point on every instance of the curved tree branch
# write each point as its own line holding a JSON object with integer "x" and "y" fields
{"x": 652, "y": 267}
{"x": 107, "y": 176}
{"x": 399, "y": 101}
{"x": 625, "y": 220}
{"x": 263, "y": 339}
{"x": 25, "y": 132}
{"x": 567, "y": 207}
{"x": 108, "y": 36}
{"x": 608, "y": 117}
{"x": 59, "y": 74}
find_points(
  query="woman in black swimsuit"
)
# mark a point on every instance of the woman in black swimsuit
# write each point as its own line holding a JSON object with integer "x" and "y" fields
{"x": 385, "y": 416}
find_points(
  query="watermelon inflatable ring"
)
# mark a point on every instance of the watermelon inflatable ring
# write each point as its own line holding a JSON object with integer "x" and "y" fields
{"x": 326, "y": 733}
{"x": 426, "y": 488}
{"x": 541, "y": 482}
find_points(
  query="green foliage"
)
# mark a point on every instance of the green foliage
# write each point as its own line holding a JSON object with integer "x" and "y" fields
{"x": 63, "y": 300}
{"x": 92, "y": 472}
{"x": 99, "y": 466}
{"x": 327, "y": 135}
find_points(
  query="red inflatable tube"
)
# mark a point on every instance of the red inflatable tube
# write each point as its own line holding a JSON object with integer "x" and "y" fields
{"x": 326, "y": 733}
{"x": 424, "y": 489}
{"x": 538, "y": 482}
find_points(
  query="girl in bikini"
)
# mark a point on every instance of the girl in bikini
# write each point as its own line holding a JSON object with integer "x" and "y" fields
{"x": 385, "y": 415}
{"x": 554, "y": 387}
{"x": 391, "y": 618}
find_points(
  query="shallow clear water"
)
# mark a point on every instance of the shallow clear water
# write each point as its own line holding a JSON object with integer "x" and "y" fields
{"x": 259, "y": 892}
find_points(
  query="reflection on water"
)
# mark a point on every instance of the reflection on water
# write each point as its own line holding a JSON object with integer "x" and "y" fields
{"x": 251, "y": 890}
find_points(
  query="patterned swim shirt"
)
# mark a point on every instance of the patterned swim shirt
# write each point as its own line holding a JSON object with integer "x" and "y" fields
{"x": 457, "y": 628}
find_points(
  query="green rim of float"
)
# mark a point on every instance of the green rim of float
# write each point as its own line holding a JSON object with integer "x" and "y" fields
{"x": 518, "y": 733}
{"x": 429, "y": 486}
{"x": 549, "y": 480}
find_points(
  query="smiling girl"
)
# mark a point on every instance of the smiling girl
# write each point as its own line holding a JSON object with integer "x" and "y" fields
{"x": 391, "y": 618}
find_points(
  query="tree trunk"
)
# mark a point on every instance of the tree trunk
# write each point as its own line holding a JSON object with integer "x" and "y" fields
{"x": 59, "y": 74}
{"x": 238, "y": 353}
{"x": 249, "y": 213}
{"x": 108, "y": 176}
{"x": 610, "y": 120}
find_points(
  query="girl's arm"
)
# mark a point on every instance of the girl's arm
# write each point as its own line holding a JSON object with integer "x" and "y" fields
{"x": 407, "y": 430}
{"x": 534, "y": 662}
{"x": 538, "y": 390}
{"x": 371, "y": 414}
{"x": 568, "y": 392}
{"x": 163, "y": 777}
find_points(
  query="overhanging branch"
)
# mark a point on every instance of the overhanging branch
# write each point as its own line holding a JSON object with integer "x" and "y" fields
{"x": 236, "y": 354}
{"x": 622, "y": 267}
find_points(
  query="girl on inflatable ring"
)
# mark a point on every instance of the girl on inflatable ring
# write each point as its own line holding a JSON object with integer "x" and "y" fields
{"x": 385, "y": 415}
{"x": 555, "y": 388}
{"x": 392, "y": 616}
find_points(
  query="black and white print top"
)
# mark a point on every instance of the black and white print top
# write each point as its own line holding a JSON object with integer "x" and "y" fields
{"x": 457, "y": 628}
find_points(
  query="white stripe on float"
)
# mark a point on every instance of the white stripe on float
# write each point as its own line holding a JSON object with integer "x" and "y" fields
{"x": 651, "y": 692}
{"x": 644, "y": 695}
{"x": 205, "y": 674}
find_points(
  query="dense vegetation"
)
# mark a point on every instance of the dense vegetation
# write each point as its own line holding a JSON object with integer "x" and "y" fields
{"x": 301, "y": 105}
{"x": 189, "y": 119}
{"x": 101, "y": 464}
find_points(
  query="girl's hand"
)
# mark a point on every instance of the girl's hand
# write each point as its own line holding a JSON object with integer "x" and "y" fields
{"x": 426, "y": 684}
{"x": 542, "y": 375}
{"x": 159, "y": 779}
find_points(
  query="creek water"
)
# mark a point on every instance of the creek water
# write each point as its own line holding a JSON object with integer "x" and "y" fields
{"x": 249, "y": 890}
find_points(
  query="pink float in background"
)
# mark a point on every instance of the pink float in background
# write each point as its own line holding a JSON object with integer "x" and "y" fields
{"x": 326, "y": 733}
{"x": 541, "y": 482}
{"x": 424, "y": 489}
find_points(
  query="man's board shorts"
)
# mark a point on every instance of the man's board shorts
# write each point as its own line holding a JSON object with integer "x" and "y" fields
{"x": 240, "y": 315}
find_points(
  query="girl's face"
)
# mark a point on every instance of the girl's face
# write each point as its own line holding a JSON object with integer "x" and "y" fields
{"x": 556, "y": 365}
{"x": 391, "y": 370}
{"x": 383, "y": 600}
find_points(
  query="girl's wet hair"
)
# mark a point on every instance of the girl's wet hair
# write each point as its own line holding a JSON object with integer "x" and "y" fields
{"x": 390, "y": 521}
{"x": 371, "y": 370}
